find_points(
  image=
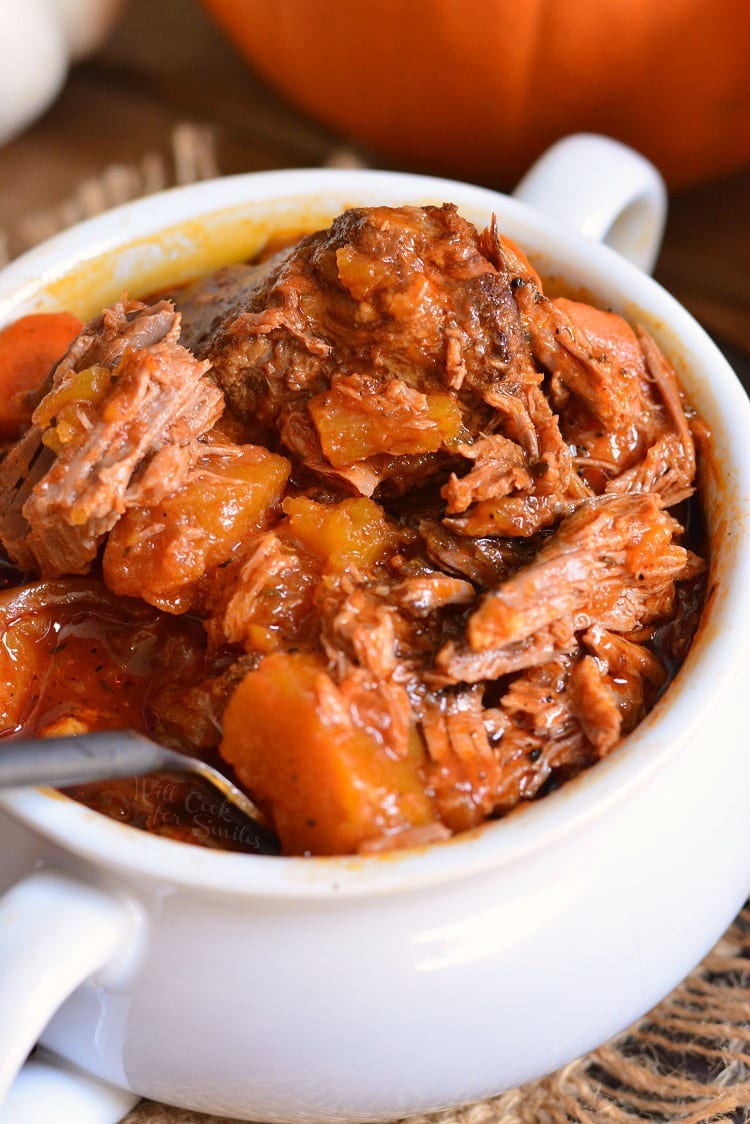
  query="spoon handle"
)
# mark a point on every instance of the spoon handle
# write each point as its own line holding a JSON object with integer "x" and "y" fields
{"x": 82, "y": 758}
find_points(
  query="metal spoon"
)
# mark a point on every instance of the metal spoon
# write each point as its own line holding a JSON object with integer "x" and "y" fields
{"x": 106, "y": 754}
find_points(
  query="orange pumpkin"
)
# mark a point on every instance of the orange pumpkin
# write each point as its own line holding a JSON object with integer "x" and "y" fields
{"x": 478, "y": 88}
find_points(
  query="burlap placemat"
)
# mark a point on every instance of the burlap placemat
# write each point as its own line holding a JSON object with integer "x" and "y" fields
{"x": 688, "y": 1060}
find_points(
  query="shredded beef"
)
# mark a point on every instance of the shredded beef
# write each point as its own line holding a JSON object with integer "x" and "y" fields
{"x": 499, "y": 467}
{"x": 114, "y": 430}
{"x": 612, "y": 561}
{"x": 375, "y": 321}
{"x": 464, "y": 770}
{"x": 422, "y": 595}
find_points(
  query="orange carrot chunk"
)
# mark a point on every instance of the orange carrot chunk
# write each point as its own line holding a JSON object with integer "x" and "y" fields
{"x": 29, "y": 348}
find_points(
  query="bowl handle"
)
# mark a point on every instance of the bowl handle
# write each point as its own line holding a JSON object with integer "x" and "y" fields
{"x": 605, "y": 190}
{"x": 55, "y": 932}
{"x": 47, "y": 1083}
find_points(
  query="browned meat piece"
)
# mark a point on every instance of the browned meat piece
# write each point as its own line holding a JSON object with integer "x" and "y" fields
{"x": 619, "y": 399}
{"x": 662, "y": 470}
{"x": 264, "y": 601}
{"x": 557, "y": 718}
{"x": 513, "y": 516}
{"x": 390, "y": 306}
{"x": 612, "y": 692}
{"x": 610, "y": 389}
{"x": 484, "y": 761}
{"x": 499, "y": 468}
{"x": 372, "y": 653}
{"x": 664, "y": 377}
{"x": 426, "y": 593}
{"x": 540, "y": 737}
{"x": 537, "y": 701}
{"x": 624, "y": 659}
{"x": 455, "y": 663}
{"x": 514, "y": 491}
{"x": 594, "y": 703}
{"x": 102, "y": 342}
{"x": 622, "y": 380}
{"x": 612, "y": 561}
{"x": 669, "y": 464}
{"x": 206, "y": 303}
{"x": 656, "y": 451}
{"x": 128, "y": 326}
{"x": 484, "y": 561}
{"x": 463, "y": 771}
{"x": 361, "y": 631}
{"x": 612, "y": 689}
{"x": 125, "y": 404}
{"x": 266, "y": 564}
{"x": 25, "y": 464}
{"x": 377, "y": 638}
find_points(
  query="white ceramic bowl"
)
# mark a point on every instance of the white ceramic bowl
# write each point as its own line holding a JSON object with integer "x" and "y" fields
{"x": 363, "y": 988}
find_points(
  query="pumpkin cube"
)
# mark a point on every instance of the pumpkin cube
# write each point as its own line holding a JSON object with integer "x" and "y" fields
{"x": 160, "y": 553}
{"x": 328, "y": 784}
{"x": 359, "y": 417}
{"x": 352, "y": 533}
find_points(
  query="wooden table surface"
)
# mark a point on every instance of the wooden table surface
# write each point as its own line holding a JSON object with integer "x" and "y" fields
{"x": 166, "y": 64}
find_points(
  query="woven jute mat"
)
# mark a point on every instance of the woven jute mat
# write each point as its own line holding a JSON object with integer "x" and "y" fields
{"x": 688, "y": 1060}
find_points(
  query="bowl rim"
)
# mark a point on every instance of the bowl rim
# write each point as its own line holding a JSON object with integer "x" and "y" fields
{"x": 718, "y": 653}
